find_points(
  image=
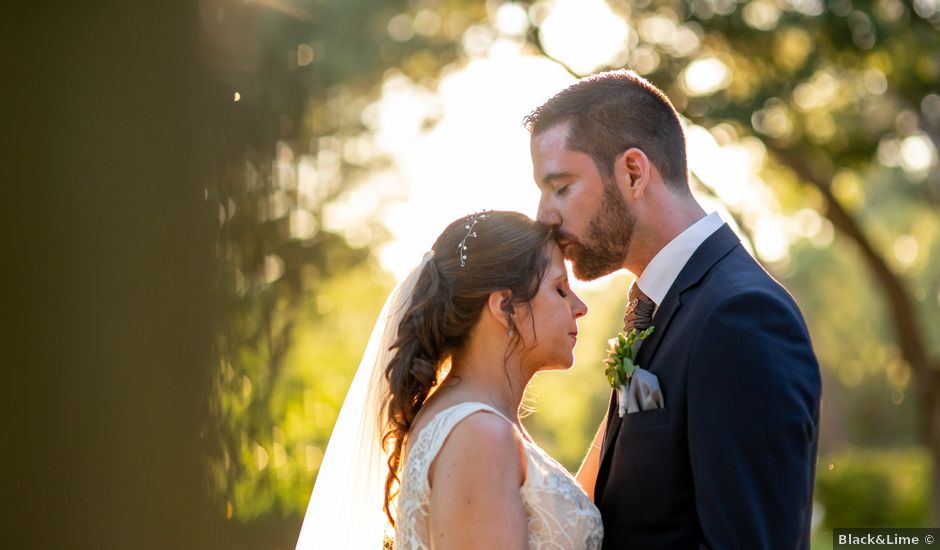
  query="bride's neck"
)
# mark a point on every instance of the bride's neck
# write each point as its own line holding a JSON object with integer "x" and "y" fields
{"x": 489, "y": 377}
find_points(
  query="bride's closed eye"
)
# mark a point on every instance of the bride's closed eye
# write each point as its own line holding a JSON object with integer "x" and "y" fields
{"x": 562, "y": 292}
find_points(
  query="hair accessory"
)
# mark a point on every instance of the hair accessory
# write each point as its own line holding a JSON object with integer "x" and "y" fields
{"x": 471, "y": 223}
{"x": 427, "y": 256}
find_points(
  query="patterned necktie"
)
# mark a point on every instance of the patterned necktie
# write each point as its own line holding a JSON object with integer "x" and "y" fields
{"x": 639, "y": 312}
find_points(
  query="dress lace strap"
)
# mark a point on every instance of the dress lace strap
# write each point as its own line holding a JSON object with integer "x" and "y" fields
{"x": 443, "y": 423}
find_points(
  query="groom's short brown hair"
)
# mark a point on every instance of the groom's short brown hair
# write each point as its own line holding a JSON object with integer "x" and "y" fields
{"x": 613, "y": 111}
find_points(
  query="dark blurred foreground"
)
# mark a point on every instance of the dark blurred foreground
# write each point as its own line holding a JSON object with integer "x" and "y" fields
{"x": 106, "y": 310}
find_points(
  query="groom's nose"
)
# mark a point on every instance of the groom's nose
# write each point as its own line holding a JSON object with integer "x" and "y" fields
{"x": 548, "y": 215}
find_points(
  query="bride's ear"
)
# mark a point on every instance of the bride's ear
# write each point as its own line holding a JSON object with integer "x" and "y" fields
{"x": 499, "y": 304}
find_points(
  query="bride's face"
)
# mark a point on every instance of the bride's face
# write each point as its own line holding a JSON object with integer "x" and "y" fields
{"x": 550, "y": 328}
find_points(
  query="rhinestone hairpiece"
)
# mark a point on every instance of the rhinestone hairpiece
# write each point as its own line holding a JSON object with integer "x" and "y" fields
{"x": 471, "y": 224}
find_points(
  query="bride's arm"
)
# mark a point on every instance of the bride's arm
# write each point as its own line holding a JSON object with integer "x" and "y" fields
{"x": 587, "y": 473}
{"x": 475, "y": 480}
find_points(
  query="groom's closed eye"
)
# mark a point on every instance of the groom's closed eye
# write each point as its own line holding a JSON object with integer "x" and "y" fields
{"x": 562, "y": 189}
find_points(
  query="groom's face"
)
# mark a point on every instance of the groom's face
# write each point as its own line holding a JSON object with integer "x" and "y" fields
{"x": 594, "y": 224}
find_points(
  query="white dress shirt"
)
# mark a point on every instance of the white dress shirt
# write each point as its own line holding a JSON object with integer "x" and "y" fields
{"x": 657, "y": 278}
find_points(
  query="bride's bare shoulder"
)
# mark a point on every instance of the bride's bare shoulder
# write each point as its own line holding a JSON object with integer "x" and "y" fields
{"x": 476, "y": 444}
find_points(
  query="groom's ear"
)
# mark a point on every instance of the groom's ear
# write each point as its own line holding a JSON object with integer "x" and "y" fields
{"x": 499, "y": 305}
{"x": 632, "y": 170}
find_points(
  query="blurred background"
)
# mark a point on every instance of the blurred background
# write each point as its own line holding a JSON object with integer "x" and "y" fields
{"x": 207, "y": 203}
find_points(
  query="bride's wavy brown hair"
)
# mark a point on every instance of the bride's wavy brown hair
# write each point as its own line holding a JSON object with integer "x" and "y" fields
{"x": 509, "y": 251}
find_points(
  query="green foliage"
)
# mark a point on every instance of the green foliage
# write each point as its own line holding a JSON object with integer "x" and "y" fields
{"x": 868, "y": 399}
{"x": 276, "y": 466}
{"x": 875, "y": 488}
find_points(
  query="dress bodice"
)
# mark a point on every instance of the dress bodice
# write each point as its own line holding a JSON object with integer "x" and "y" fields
{"x": 558, "y": 512}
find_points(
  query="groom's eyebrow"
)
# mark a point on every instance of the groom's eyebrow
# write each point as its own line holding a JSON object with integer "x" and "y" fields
{"x": 551, "y": 177}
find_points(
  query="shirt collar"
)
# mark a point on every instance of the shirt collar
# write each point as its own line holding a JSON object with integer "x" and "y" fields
{"x": 657, "y": 278}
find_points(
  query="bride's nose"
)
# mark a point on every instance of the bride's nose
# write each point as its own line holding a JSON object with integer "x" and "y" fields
{"x": 578, "y": 307}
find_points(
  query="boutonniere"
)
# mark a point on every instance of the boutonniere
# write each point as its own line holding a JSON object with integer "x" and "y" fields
{"x": 621, "y": 360}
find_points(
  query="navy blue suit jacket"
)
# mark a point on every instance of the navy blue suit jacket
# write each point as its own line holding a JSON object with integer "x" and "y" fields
{"x": 730, "y": 461}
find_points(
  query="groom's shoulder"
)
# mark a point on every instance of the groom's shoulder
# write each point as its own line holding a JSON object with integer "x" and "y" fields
{"x": 740, "y": 283}
{"x": 739, "y": 273}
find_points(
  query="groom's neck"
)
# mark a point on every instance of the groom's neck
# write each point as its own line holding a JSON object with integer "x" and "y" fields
{"x": 657, "y": 226}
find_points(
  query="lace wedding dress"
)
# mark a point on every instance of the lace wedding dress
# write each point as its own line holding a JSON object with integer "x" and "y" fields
{"x": 559, "y": 515}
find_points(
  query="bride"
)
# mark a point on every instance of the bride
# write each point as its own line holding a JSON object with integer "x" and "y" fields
{"x": 429, "y": 440}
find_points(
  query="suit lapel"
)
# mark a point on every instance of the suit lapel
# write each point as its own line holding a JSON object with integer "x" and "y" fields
{"x": 661, "y": 323}
{"x": 715, "y": 247}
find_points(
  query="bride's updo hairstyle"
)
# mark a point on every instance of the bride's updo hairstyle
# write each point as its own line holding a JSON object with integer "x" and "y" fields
{"x": 504, "y": 250}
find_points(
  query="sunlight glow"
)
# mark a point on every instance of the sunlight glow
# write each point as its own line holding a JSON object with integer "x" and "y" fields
{"x": 705, "y": 76}
{"x": 762, "y": 14}
{"x": 773, "y": 120}
{"x": 659, "y": 28}
{"x": 427, "y": 23}
{"x": 273, "y": 268}
{"x": 512, "y": 19}
{"x": 815, "y": 93}
{"x": 305, "y": 55}
{"x": 400, "y": 28}
{"x": 261, "y": 457}
{"x": 927, "y": 8}
{"x": 303, "y": 224}
{"x": 906, "y": 250}
{"x": 917, "y": 155}
{"x": 727, "y": 170}
{"x": 314, "y": 457}
{"x": 811, "y": 8}
{"x": 476, "y": 157}
{"x": 584, "y": 34}
{"x": 769, "y": 239}
{"x": 732, "y": 172}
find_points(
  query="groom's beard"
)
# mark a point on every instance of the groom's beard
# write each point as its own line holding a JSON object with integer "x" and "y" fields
{"x": 607, "y": 242}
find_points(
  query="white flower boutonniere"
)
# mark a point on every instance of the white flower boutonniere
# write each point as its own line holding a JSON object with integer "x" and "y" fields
{"x": 621, "y": 362}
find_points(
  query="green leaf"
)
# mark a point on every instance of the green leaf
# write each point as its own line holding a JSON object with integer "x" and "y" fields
{"x": 628, "y": 367}
{"x": 620, "y": 363}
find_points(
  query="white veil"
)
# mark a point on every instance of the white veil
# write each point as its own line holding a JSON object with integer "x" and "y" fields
{"x": 345, "y": 509}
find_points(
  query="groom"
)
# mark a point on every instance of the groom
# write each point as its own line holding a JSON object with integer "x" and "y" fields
{"x": 729, "y": 460}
